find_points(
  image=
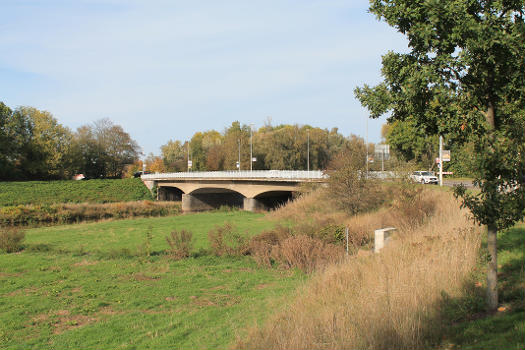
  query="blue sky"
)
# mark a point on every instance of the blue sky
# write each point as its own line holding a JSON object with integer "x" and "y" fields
{"x": 166, "y": 69}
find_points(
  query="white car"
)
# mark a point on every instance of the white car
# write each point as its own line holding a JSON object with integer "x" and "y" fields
{"x": 424, "y": 177}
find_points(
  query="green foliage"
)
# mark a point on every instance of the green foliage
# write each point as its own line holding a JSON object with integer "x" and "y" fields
{"x": 279, "y": 147}
{"x": 91, "y": 191}
{"x": 11, "y": 240}
{"x": 409, "y": 143}
{"x": 464, "y": 78}
{"x": 90, "y": 290}
{"x": 103, "y": 149}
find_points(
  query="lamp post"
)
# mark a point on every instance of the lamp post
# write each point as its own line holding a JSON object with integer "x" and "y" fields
{"x": 308, "y": 151}
{"x": 239, "y": 142}
{"x": 366, "y": 135}
{"x": 251, "y": 147}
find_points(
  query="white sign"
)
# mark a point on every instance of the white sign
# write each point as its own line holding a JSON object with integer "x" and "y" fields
{"x": 254, "y": 159}
{"x": 446, "y": 155}
{"x": 190, "y": 163}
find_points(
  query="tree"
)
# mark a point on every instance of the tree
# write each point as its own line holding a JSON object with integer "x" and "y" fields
{"x": 464, "y": 77}
{"x": 103, "y": 149}
{"x": 174, "y": 155}
{"x": 14, "y": 134}
{"x": 47, "y": 154}
{"x": 349, "y": 182}
{"x": 410, "y": 143}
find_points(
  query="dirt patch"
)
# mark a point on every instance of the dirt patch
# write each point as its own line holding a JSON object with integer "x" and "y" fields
{"x": 62, "y": 312}
{"x": 38, "y": 319}
{"x": 219, "y": 300}
{"x": 25, "y": 291}
{"x": 170, "y": 298}
{"x": 108, "y": 311}
{"x": 215, "y": 288}
{"x": 76, "y": 290}
{"x": 68, "y": 322}
{"x": 6, "y": 274}
{"x": 86, "y": 263}
{"x": 263, "y": 286}
{"x": 143, "y": 277}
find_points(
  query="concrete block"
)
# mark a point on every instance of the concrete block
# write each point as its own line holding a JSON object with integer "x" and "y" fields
{"x": 382, "y": 237}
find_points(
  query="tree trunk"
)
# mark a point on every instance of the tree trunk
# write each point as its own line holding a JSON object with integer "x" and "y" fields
{"x": 492, "y": 268}
{"x": 492, "y": 235}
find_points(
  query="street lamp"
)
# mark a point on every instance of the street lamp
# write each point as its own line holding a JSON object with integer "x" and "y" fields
{"x": 239, "y": 162}
{"x": 308, "y": 152}
{"x": 251, "y": 147}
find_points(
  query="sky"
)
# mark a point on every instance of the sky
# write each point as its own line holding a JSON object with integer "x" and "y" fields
{"x": 164, "y": 70}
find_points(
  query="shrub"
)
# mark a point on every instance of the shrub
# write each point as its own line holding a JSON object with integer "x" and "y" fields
{"x": 68, "y": 213}
{"x": 306, "y": 253}
{"x": 261, "y": 245}
{"x": 411, "y": 205}
{"x": 11, "y": 240}
{"x": 225, "y": 240}
{"x": 350, "y": 184}
{"x": 180, "y": 243}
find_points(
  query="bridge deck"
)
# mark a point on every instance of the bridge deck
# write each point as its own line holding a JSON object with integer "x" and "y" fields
{"x": 286, "y": 175}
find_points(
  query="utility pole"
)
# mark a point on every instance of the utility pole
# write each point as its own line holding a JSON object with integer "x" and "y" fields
{"x": 308, "y": 152}
{"x": 188, "y": 148}
{"x": 239, "y": 141}
{"x": 440, "y": 160}
{"x": 251, "y": 148}
{"x": 382, "y": 159}
{"x": 366, "y": 136}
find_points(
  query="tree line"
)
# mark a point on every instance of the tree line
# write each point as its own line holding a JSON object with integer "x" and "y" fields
{"x": 35, "y": 146}
{"x": 284, "y": 147}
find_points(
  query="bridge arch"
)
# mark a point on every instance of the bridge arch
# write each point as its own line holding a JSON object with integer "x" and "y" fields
{"x": 169, "y": 193}
{"x": 275, "y": 198}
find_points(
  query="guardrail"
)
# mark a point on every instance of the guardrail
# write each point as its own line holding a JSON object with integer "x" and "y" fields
{"x": 254, "y": 174}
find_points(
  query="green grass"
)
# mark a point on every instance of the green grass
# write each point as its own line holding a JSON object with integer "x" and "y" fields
{"x": 83, "y": 286}
{"x": 69, "y": 191}
{"x": 470, "y": 326}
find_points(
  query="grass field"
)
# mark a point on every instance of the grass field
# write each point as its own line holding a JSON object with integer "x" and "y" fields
{"x": 92, "y": 191}
{"x": 89, "y": 286}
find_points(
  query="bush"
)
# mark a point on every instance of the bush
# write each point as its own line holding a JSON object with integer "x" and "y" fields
{"x": 67, "y": 213}
{"x": 261, "y": 245}
{"x": 350, "y": 184}
{"x": 225, "y": 240}
{"x": 306, "y": 253}
{"x": 181, "y": 244}
{"x": 411, "y": 205}
{"x": 11, "y": 240}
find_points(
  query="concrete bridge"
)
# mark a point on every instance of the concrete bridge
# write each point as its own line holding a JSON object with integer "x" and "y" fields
{"x": 250, "y": 190}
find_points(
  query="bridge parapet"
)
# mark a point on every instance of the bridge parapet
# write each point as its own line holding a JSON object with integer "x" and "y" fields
{"x": 288, "y": 175}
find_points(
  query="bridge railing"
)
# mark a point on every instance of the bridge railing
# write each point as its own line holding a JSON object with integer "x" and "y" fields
{"x": 254, "y": 174}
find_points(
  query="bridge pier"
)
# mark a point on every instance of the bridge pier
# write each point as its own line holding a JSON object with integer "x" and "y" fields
{"x": 193, "y": 203}
{"x": 252, "y": 204}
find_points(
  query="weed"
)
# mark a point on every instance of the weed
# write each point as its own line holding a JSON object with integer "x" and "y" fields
{"x": 180, "y": 243}
{"x": 11, "y": 240}
{"x": 225, "y": 240}
{"x": 144, "y": 249}
{"x": 306, "y": 253}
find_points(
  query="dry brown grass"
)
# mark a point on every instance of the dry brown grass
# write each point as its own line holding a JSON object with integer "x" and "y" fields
{"x": 381, "y": 301}
{"x": 180, "y": 244}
